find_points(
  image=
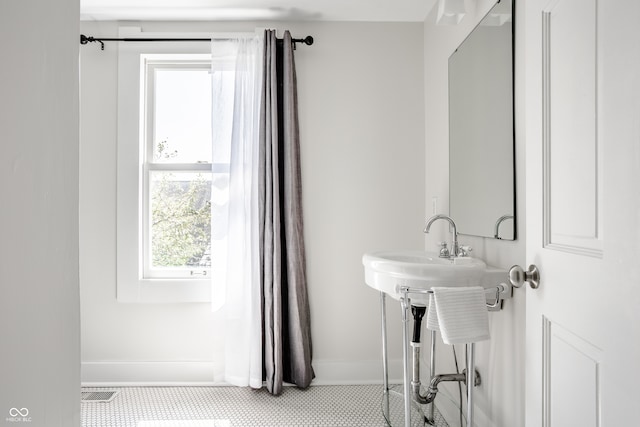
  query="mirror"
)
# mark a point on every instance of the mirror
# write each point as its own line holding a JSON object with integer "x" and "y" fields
{"x": 481, "y": 128}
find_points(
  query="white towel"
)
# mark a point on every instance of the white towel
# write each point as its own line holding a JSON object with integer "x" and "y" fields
{"x": 432, "y": 315}
{"x": 462, "y": 315}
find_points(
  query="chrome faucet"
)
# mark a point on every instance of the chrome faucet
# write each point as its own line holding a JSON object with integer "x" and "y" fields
{"x": 455, "y": 249}
{"x": 496, "y": 232}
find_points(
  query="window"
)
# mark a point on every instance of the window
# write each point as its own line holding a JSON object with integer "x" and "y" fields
{"x": 167, "y": 174}
{"x": 176, "y": 145}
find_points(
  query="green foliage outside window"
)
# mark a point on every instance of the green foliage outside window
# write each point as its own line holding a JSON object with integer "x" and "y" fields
{"x": 180, "y": 217}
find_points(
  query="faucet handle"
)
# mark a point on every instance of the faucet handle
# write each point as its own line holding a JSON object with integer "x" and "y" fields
{"x": 465, "y": 250}
{"x": 444, "y": 251}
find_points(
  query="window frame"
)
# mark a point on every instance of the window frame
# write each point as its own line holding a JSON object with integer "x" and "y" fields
{"x": 131, "y": 286}
{"x": 150, "y": 64}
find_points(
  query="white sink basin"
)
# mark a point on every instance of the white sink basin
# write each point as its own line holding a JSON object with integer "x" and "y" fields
{"x": 387, "y": 270}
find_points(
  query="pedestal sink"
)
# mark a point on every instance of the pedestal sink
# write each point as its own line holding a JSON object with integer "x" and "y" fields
{"x": 417, "y": 272}
{"x": 387, "y": 270}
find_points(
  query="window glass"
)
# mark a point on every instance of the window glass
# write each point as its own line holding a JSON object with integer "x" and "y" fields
{"x": 180, "y": 221}
{"x": 182, "y": 116}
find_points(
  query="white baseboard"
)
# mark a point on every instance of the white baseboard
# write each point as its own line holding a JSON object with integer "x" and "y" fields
{"x": 333, "y": 372}
{"x": 328, "y": 372}
{"x": 96, "y": 374}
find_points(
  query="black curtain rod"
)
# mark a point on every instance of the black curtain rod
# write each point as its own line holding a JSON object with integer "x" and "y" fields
{"x": 84, "y": 40}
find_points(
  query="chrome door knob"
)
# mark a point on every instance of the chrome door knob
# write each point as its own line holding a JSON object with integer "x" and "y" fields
{"x": 518, "y": 277}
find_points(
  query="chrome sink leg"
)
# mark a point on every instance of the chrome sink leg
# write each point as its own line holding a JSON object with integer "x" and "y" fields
{"x": 385, "y": 356}
{"x": 406, "y": 304}
{"x": 432, "y": 374}
{"x": 471, "y": 381}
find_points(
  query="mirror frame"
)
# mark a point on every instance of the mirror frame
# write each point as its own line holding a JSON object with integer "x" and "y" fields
{"x": 461, "y": 225}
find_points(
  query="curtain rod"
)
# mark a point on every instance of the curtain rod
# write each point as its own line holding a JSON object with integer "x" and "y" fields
{"x": 88, "y": 39}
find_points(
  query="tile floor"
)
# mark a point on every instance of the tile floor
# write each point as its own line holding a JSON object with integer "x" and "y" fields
{"x": 318, "y": 406}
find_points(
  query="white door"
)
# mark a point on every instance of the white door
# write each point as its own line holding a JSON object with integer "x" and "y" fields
{"x": 582, "y": 97}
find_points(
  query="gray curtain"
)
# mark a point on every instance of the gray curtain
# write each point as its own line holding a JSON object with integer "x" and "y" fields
{"x": 287, "y": 329}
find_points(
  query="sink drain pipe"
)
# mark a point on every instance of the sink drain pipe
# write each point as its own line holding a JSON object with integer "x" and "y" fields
{"x": 418, "y": 313}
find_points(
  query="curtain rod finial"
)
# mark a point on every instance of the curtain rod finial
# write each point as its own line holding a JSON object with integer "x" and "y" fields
{"x": 84, "y": 40}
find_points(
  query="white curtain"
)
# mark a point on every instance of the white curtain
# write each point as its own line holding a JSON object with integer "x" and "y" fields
{"x": 237, "y": 78}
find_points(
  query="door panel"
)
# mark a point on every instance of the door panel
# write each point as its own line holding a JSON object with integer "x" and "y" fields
{"x": 582, "y": 124}
{"x": 571, "y": 156}
{"x": 571, "y": 367}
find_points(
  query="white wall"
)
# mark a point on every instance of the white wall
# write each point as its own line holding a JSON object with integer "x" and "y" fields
{"x": 39, "y": 296}
{"x": 361, "y": 122}
{"x": 500, "y": 361}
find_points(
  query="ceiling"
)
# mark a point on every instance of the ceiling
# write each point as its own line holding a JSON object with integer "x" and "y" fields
{"x": 257, "y": 10}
